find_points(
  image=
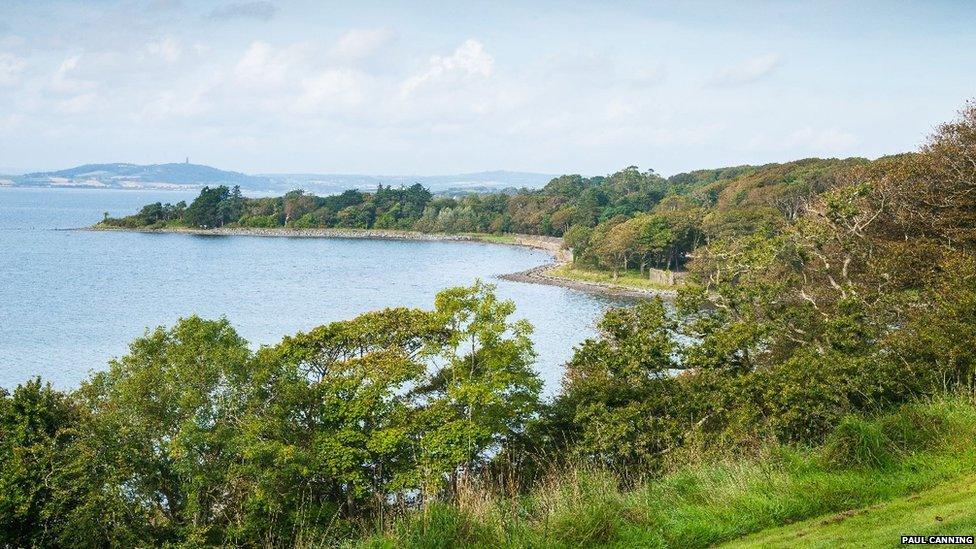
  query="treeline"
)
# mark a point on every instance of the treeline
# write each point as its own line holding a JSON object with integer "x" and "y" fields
{"x": 628, "y": 220}
{"x": 852, "y": 299}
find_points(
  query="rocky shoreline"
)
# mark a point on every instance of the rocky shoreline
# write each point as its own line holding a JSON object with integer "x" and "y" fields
{"x": 378, "y": 234}
{"x": 535, "y": 275}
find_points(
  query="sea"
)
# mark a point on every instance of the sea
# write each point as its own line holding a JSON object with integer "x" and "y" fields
{"x": 71, "y": 299}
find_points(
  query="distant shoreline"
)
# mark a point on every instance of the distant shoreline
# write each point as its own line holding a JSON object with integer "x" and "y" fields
{"x": 535, "y": 275}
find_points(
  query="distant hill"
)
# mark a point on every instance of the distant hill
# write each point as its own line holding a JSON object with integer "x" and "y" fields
{"x": 489, "y": 181}
{"x": 185, "y": 175}
{"x": 136, "y": 176}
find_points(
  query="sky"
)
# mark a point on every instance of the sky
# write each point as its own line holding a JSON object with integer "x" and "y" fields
{"x": 430, "y": 88}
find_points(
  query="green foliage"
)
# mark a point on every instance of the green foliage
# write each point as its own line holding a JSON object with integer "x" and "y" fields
{"x": 858, "y": 443}
{"x": 618, "y": 391}
{"x": 36, "y": 424}
{"x": 486, "y": 390}
{"x": 192, "y": 439}
{"x": 165, "y": 418}
{"x": 705, "y": 504}
{"x": 214, "y": 207}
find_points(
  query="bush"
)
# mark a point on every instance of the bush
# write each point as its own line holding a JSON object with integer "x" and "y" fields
{"x": 859, "y": 443}
{"x": 442, "y": 526}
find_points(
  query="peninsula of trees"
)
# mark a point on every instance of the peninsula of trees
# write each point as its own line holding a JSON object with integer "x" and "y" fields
{"x": 627, "y": 220}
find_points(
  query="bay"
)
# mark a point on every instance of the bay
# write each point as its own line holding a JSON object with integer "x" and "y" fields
{"x": 70, "y": 300}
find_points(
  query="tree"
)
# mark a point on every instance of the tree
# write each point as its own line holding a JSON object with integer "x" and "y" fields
{"x": 37, "y": 423}
{"x": 615, "y": 247}
{"x": 296, "y": 204}
{"x": 653, "y": 237}
{"x": 231, "y": 207}
{"x": 485, "y": 391}
{"x": 205, "y": 210}
{"x": 618, "y": 394}
{"x": 563, "y": 218}
{"x": 578, "y": 239}
{"x": 163, "y": 419}
{"x": 331, "y": 422}
{"x": 942, "y": 195}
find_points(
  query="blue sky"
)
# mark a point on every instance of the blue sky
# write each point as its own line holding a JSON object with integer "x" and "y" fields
{"x": 434, "y": 88}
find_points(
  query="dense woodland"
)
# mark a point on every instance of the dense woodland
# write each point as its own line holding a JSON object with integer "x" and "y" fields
{"x": 627, "y": 220}
{"x": 819, "y": 290}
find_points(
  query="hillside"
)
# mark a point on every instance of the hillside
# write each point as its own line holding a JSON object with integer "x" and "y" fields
{"x": 947, "y": 510}
{"x": 488, "y": 181}
{"x": 186, "y": 175}
{"x": 134, "y": 176}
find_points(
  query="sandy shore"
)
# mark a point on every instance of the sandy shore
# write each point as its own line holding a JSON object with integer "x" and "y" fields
{"x": 535, "y": 275}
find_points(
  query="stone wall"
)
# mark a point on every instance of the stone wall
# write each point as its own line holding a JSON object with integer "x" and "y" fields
{"x": 665, "y": 278}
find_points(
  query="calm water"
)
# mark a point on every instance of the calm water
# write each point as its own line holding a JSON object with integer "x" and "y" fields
{"x": 71, "y": 300}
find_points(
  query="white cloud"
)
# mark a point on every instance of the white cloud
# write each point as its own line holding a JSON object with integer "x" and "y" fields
{"x": 264, "y": 66}
{"x": 244, "y": 10}
{"x": 288, "y": 82}
{"x": 64, "y": 79}
{"x": 78, "y": 104}
{"x": 332, "y": 89}
{"x": 10, "y": 68}
{"x": 10, "y": 122}
{"x": 469, "y": 60}
{"x": 822, "y": 140}
{"x": 805, "y": 140}
{"x": 356, "y": 44}
{"x": 379, "y": 97}
{"x": 167, "y": 104}
{"x": 649, "y": 76}
{"x": 11, "y": 41}
{"x": 168, "y": 49}
{"x": 748, "y": 71}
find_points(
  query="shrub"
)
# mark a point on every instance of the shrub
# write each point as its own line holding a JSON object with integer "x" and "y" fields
{"x": 858, "y": 443}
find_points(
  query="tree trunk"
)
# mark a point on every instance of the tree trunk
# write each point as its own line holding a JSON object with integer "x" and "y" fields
{"x": 454, "y": 484}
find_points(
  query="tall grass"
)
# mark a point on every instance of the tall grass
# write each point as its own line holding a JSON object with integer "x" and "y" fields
{"x": 865, "y": 461}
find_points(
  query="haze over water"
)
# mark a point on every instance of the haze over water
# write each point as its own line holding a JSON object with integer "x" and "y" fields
{"x": 71, "y": 300}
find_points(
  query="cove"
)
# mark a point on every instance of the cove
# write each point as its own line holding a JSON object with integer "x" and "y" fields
{"x": 71, "y": 300}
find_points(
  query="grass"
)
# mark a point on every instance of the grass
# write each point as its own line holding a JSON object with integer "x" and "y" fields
{"x": 866, "y": 462}
{"x": 625, "y": 279}
{"x": 493, "y": 238}
{"x": 947, "y": 510}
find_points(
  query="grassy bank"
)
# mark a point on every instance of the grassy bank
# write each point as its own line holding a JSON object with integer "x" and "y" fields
{"x": 493, "y": 238}
{"x": 625, "y": 279}
{"x": 947, "y": 510}
{"x": 864, "y": 463}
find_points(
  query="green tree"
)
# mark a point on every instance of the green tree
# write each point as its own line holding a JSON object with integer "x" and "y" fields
{"x": 619, "y": 399}
{"x": 578, "y": 239}
{"x": 37, "y": 423}
{"x": 205, "y": 210}
{"x": 485, "y": 390}
{"x": 163, "y": 419}
{"x": 331, "y": 427}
